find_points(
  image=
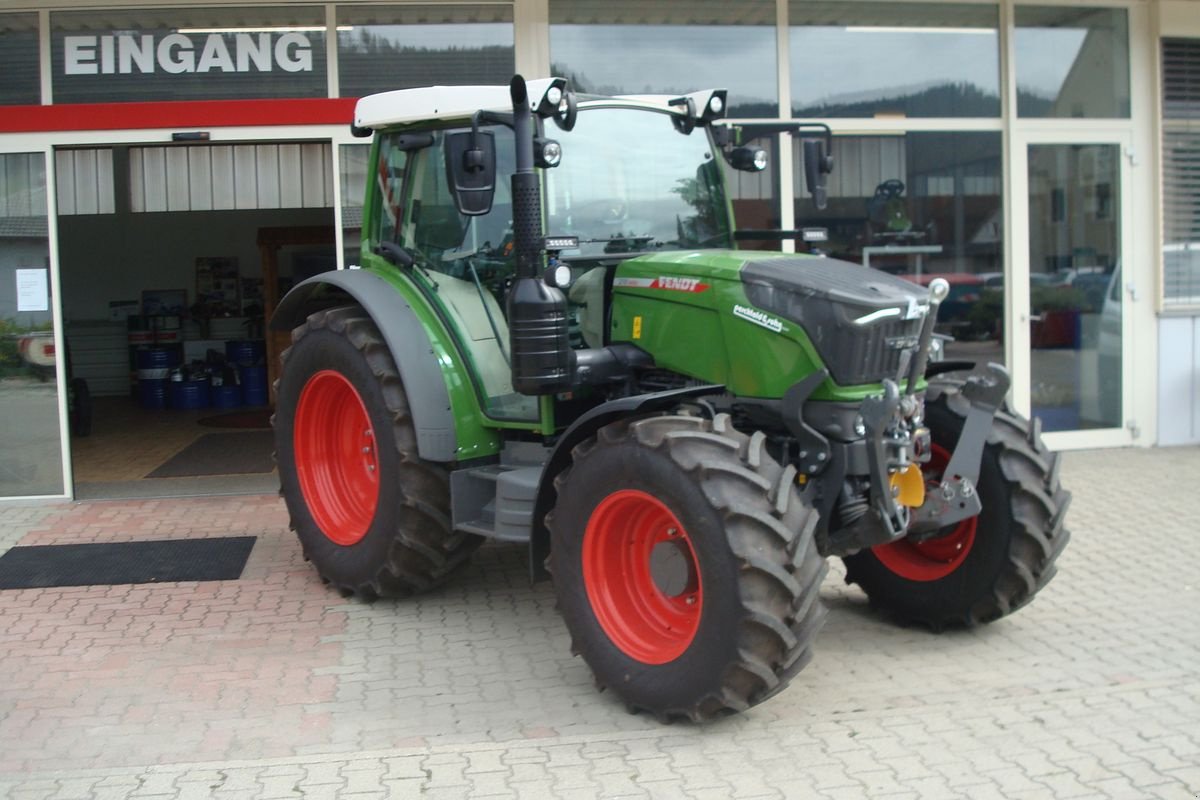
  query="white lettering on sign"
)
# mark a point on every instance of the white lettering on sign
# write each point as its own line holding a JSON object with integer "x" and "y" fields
{"x": 298, "y": 59}
{"x": 177, "y": 54}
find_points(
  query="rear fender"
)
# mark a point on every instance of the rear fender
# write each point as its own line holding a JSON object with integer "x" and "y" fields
{"x": 434, "y": 411}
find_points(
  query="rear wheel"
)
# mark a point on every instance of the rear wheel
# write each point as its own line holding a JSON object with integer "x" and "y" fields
{"x": 990, "y": 565}
{"x": 685, "y": 566}
{"x": 370, "y": 514}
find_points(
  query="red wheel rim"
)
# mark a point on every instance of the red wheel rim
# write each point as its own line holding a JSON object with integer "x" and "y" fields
{"x": 931, "y": 559}
{"x": 648, "y": 622}
{"x": 336, "y": 460}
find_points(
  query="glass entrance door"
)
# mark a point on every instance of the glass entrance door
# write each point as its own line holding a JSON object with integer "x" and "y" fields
{"x": 1071, "y": 314}
{"x": 31, "y": 445}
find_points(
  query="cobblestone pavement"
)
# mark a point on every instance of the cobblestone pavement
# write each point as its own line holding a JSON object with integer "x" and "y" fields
{"x": 272, "y": 686}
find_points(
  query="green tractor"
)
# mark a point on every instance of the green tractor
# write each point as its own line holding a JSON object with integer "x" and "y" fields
{"x": 553, "y": 341}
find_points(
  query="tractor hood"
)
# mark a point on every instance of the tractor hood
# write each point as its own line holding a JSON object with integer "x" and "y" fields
{"x": 859, "y": 320}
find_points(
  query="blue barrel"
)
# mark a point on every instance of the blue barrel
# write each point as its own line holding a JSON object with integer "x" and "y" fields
{"x": 254, "y": 385}
{"x": 152, "y": 392}
{"x": 189, "y": 394}
{"x": 157, "y": 358}
{"x": 244, "y": 352}
{"x": 227, "y": 396}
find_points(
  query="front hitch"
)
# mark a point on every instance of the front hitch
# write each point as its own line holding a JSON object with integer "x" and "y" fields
{"x": 957, "y": 498}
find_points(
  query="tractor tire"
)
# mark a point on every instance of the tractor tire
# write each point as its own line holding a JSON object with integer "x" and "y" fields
{"x": 685, "y": 566}
{"x": 370, "y": 514}
{"x": 988, "y": 566}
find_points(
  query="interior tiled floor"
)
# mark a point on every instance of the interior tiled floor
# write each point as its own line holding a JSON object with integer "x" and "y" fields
{"x": 129, "y": 442}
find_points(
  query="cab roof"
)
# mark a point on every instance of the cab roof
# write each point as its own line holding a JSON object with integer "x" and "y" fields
{"x": 427, "y": 103}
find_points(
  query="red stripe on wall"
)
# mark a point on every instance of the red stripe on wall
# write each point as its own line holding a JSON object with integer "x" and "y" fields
{"x": 190, "y": 114}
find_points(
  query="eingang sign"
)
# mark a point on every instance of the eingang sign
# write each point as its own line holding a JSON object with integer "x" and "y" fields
{"x": 188, "y": 54}
{"x": 178, "y": 53}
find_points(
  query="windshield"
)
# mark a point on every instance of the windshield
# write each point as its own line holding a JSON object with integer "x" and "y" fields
{"x": 630, "y": 183}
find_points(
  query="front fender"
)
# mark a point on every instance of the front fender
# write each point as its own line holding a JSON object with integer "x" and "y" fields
{"x": 581, "y": 429}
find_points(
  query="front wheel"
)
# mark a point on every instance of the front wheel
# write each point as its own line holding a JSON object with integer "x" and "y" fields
{"x": 987, "y": 566}
{"x": 685, "y": 566}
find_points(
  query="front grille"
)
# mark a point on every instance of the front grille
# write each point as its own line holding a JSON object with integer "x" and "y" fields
{"x": 857, "y": 355}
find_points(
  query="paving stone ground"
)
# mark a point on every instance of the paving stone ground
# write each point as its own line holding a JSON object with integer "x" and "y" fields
{"x": 272, "y": 686}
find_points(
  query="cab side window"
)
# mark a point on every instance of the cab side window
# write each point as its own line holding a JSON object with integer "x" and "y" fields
{"x": 442, "y": 239}
{"x": 389, "y": 179}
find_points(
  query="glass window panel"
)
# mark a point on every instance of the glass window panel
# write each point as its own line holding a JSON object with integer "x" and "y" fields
{"x": 894, "y": 59}
{"x": 1072, "y": 61}
{"x": 19, "y": 60}
{"x": 1075, "y": 285}
{"x": 923, "y": 205}
{"x": 669, "y": 48}
{"x": 188, "y": 54}
{"x": 353, "y": 160}
{"x": 1181, "y": 172}
{"x": 381, "y": 48}
{"x": 30, "y": 447}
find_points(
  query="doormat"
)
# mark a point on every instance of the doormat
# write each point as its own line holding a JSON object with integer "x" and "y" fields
{"x": 254, "y": 418}
{"x": 44, "y": 566}
{"x": 221, "y": 454}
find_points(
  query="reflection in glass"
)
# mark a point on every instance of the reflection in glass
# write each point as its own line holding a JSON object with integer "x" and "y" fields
{"x": 669, "y": 48}
{"x": 106, "y": 56}
{"x": 923, "y": 205}
{"x": 353, "y": 167}
{"x": 1181, "y": 171}
{"x": 381, "y": 48}
{"x": 1075, "y": 285}
{"x": 19, "y": 60}
{"x": 30, "y": 446}
{"x": 663, "y": 193}
{"x": 894, "y": 59}
{"x": 1072, "y": 62}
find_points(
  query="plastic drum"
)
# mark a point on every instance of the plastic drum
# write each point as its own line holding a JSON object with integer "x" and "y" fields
{"x": 254, "y": 385}
{"x": 152, "y": 393}
{"x": 189, "y": 394}
{"x": 227, "y": 396}
{"x": 244, "y": 352}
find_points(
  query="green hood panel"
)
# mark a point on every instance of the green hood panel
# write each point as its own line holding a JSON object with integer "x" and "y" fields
{"x": 691, "y": 312}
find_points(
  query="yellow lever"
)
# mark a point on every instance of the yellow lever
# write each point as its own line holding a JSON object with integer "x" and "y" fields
{"x": 911, "y": 485}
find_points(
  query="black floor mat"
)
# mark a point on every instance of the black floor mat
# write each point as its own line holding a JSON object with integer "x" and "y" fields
{"x": 42, "y": 566}
{"x": 239, "y": 453}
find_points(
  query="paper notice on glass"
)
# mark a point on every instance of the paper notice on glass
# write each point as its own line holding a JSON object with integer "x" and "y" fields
{"x": 33, "y": 290}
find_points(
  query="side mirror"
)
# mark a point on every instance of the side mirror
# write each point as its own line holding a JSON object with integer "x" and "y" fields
{"x": 817, "y": 164}
{"x": 471, "y": 170}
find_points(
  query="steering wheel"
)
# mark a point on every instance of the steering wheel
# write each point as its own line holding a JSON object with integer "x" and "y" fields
{"x": 567, "y": 112}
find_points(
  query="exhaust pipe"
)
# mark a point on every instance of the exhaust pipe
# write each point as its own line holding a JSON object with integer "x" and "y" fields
{"x": 537, "y": 312}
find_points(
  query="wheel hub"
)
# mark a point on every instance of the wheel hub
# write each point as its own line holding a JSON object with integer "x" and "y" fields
{"x": 642, "y": 577}
{"x": 336, "y": 457}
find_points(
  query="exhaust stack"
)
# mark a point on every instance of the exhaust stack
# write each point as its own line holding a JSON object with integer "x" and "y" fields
{"x": 537, "y": 312}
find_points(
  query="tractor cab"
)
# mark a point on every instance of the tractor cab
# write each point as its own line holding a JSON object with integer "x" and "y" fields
{"x": 442, "y": 207}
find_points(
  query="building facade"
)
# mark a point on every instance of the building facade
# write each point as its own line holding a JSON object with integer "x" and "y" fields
{"x": 1044, "y": 157}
